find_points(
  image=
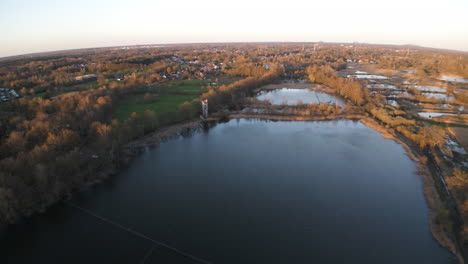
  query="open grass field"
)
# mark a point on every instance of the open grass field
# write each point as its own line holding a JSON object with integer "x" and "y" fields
{"x": 168, "y": 97}
{"x": 163, "y": 103}
{"x": 181, "y": 86}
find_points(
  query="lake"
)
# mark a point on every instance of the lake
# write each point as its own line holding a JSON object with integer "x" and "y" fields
{"x": 245, "y": 191}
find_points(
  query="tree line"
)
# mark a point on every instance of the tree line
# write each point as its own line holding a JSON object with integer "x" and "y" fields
{"x": 346, "y": 87}
{"x": 50, "y": 148}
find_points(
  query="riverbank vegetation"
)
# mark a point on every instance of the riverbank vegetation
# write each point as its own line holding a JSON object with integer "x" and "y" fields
{"x": 346, "y": 87}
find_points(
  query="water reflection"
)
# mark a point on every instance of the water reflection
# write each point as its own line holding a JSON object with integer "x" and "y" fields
{"x": 288, "y": 96}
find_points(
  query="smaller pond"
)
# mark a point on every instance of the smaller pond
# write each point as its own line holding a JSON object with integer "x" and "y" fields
{"x": 433, "y": 114}
{"x": 288, "y": 96}
{"x": 453, "y": 79}
{"x": 444, "y": 105}
{"x": 368, "y": 76}
{"x": 400, "y": 94}
{"x": 361, "y": 72}
{"x": 393, "y": 103}
{"x": 430, "y": 89}
{"x": 439, "y": 96}
{"x": 382, "y": 86}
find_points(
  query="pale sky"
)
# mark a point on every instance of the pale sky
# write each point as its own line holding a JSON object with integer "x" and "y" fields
{"x": 44, "y": 25}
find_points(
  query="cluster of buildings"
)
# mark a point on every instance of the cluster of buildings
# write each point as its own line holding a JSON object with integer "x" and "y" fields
{"x": 363, "y": 61}
{"x": 8, "y": 94}
{"x": 194, "y": 67}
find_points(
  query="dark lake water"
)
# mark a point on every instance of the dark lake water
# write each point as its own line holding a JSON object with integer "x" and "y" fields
{"x": 289, "y": 96}
{"x": 246, "y": 191}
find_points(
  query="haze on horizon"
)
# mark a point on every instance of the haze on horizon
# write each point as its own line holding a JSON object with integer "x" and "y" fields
{"x": 35, "y": 26}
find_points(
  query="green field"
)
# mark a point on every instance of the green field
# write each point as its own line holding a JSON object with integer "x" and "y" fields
{"x": 181, "y": 86}
{"x": 168, "y": 97}
{"x": 163, "y": 103}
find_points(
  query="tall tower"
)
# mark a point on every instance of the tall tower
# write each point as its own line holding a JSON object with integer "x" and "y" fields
{"x": 204, "y": 109}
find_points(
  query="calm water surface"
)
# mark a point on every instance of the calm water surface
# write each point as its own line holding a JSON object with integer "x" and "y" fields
{"x": 289, "y": 96}
{"x": 246, "y": 191}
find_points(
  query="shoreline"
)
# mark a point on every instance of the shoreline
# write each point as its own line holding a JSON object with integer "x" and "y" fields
{"x": 431, "y": 194}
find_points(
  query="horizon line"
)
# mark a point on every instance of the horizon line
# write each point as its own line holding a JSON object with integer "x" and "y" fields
{"x": 17, "y": 56}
